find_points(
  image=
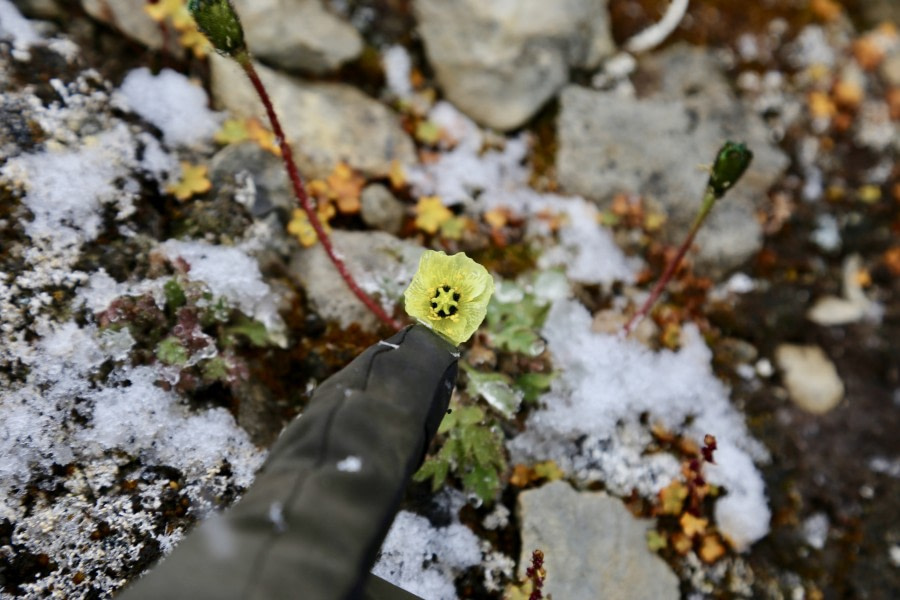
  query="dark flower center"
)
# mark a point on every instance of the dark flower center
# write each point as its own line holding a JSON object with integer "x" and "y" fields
{"x": 445, "y": 302}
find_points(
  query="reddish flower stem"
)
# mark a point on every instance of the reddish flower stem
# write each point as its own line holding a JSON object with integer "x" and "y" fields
{"x": 305, "y": 203}
{"x": 708, "y": 201}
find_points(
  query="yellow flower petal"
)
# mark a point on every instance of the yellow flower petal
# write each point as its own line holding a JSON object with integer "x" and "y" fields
{"x": 303, "y": 230}
{"x": 431, "y": 214}
{"x": 450, "y": 294}
{"x": 193, "y": 181}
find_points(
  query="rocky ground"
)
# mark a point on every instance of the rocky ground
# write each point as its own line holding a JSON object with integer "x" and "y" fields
{"x": 164, "y": 312}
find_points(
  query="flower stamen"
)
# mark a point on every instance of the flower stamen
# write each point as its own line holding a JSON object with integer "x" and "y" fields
{"x": 445, "y": 303}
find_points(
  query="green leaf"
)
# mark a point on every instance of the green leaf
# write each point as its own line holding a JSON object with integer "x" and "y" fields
{"x": 215, "y": 310}
{"x": 549, "y": 470}
{"x": 451, "y": 452}
{"x": 656, "y": 541}
{"x": 255, "y": 332}
{"x": 215, "y": 369}
{"x": 472, "y": 450}
{"x": 175, "y": 297}
{"x": 428, "y": 133}
{"x": 434, "y": 469}
{"x": 513, "y": 318}
{"x": 470, "y": 415}
{"x": 449, "y": 421}
{"x": 522, "y": 339}
{"x": 483, "y": 481}
{"x": 534, "y": 385}
{"x": 495, "y": 389}
{"x": 484, "y": 446}
{"x": 171, "y": 352}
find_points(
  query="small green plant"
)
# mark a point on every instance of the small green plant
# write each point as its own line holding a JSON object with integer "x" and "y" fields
{"x": 194, "y": 331}
{"x": 497, "y": 389}
{"x": 518, "y": 310}
{"x": 731, "y": 162}
{"x": 472, "y": 450}
{"x": 532, "y": 586}
{"x": 219, "y": 22}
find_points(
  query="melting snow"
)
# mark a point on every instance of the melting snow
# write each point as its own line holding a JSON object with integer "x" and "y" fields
{"x": 590, "y": 421}
{"x": 172, "y": 103}
{"x": 15, "y": 27}
{"x": 423, "y": 559}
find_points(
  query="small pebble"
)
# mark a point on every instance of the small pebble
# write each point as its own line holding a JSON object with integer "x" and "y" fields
{"x": 380, "y": 209}
{"x": 810, "y": 377}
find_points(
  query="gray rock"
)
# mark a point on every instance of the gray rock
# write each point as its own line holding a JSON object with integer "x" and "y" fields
{"x": 235, "y": 162}
{"x": 593, "y": 547}
{"x": 380, "y": 263}
{"x": 381, "y": 209}
{"x": 653, "y": 146}
{"x": 325, "y": 123}
{"x": 499, "y": 62}
{"x": 811, "y": 378}
{"x": 127, "y": 16}
{"x": 298, "y": 34}
{"x": 890, "y": 68}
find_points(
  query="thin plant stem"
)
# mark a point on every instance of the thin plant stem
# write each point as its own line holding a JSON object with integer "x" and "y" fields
{"x": 709, "y": 199}
{"x": 287, "y": 156}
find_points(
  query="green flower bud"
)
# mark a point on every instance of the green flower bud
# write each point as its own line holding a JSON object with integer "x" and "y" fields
{"x": 731, "y": 162}
{"x": 219, "y": 22}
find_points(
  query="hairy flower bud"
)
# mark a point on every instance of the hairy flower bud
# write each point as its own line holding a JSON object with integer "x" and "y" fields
{"x": 731, "y": 162}
{"x": 219, "y": 22}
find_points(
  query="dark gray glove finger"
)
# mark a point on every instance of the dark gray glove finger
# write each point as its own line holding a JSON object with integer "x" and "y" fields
{"x": 312, "y": 522}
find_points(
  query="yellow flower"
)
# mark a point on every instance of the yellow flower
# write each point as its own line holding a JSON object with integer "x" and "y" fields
{"x": 450, "y": 294}
{"x": 303, "y": 229}
{"x": 193, "y": 181}
{"x": 431, "y": 214}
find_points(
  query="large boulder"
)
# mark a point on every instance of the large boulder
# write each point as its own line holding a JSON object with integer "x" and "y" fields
{"x": 499, "y": 62}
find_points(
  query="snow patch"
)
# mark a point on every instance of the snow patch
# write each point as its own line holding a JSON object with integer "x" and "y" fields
{"x": 144, "y": 420}
{"x": 423, "y": 559}
{"x": 173, "y": 104}
{"x": 65, "y": 188}
{"x": 590, "y": 422}
{"x": 15, "y": 27}
{"x": 397, "y": 67}
{"x": 482, "y": 181}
